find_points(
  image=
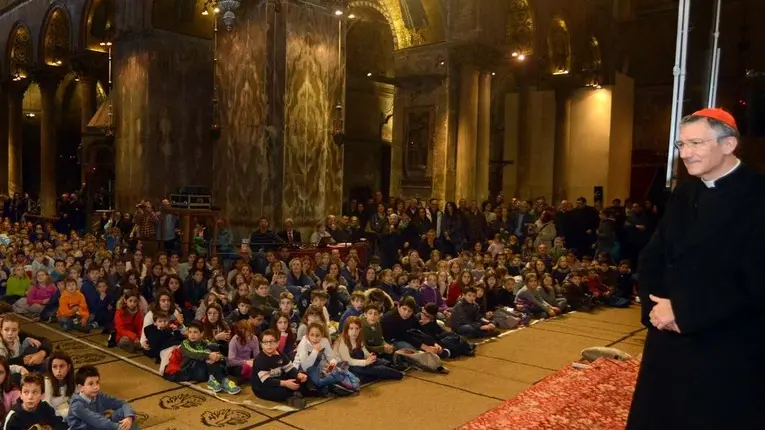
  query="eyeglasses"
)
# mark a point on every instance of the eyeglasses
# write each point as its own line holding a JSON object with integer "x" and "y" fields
{"x": 695, "y": 144}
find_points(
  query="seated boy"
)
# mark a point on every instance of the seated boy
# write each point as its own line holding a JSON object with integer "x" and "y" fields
{"x": 241, "y": 310}
{"x": 274, "y": 377}
{"x": 467, "y": 319}
{"x": 201, "y": 363}
{"x": 30, "y": 411}
{"x": 373, "y": 335}
{"x": 87, "y": 409}
{"x": 355, "y": 309}
{"x": 286, "y": 305}
{"x": 160, "y": 335}
{"x": 73, "y": 309}
{"x": 262, "y": 299}
{"x": 448, "y": 340}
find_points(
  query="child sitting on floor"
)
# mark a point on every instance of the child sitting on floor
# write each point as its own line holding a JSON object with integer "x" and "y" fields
{"x": 467, "y": 319}
{"x": 448, "y": 340}
{"x": 530, "y": 301}
{"x": 275, "y": 377}
{"x": 87, "y": 409}
{"x": 30, "y": 411}
{"x": 161, "y": 335}
{"x": 9, "y": 392}
{"x": 201, "y": 363}
{"x": 128, "y": 323}
{"x": 365, "y": 365}
{"x": 315, "y": 357}
{"x": 355, "y": 309}
{"x": 59, "y": 383}
{"x": 287, "y": 338}
{"x": 73, "y": 310}
{"x": 242, "y": 349}
{"x": 372, "y": 332}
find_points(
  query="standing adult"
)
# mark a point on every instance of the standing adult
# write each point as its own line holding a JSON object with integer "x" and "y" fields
{"x": 703, "y": 292}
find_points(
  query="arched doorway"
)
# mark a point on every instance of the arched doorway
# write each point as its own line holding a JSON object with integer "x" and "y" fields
{"x": 369, "y": 103}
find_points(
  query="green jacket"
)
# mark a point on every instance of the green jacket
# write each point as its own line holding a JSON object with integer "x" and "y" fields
{"x": 373, "y": 336}
{"x": 17, "y": 286}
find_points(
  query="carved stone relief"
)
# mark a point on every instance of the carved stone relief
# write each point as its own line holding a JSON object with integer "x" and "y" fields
{"x": 20, "y": 53}
{"x": 57, "y": 38}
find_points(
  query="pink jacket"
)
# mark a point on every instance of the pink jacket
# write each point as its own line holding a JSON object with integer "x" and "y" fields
{"x": 9, "y": 398}
{"x": 38, "y": 293}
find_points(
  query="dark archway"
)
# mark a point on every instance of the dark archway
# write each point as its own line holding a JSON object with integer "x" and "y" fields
{"x": 369, "y": 103}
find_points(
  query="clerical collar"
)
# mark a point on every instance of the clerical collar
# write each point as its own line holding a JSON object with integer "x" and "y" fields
{"x": 711, "y": 184}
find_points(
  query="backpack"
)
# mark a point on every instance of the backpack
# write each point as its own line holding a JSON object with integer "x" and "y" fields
{"x": 419, "y": 359}
{"x": 174, "y": 363}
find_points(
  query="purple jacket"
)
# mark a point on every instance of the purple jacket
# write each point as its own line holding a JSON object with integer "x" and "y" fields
{"x": 432, "y": 295}
{"x": 38, "y": 293}
{"x": 238, "y": 353}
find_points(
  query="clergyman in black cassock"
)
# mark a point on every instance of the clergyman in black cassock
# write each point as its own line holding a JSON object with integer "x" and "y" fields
{"x": 707, "y": 257}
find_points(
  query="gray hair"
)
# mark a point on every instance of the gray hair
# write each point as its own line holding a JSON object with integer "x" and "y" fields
{"x": 721, "y": 129}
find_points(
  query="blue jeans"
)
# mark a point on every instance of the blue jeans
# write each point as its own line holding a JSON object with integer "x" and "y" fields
{"x": 314, "y": 374}
{"x": 400, "y": 344}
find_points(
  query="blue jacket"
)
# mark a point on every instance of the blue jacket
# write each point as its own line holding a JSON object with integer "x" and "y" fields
{"x": 92, "y": 298}
{"x": 86, "y": 414}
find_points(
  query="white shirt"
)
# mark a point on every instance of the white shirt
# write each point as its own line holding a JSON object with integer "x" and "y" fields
{"x": 711, "y": 184}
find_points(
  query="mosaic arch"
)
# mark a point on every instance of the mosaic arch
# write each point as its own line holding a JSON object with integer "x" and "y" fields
{"x": 18, "y": 54}
{"x": 56, "y": 37}
{"x": 559, "y": 47}
{"x": 392, "y": 14}
{"x": 98, "y": 24}
{"x": 520, "y": 27}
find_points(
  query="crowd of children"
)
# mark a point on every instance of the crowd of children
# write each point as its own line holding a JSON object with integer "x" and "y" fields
{"x": 300, "y": 327}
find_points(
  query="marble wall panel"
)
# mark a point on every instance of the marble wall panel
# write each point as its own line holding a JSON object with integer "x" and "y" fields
{"x": 131, "y": 119}
{"x": 163, "y": 88}
{"x": 314, "y": 85}
{"x": 246, "y": 166}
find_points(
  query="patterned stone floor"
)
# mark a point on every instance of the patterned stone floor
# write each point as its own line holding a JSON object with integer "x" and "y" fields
{"x": 503, "y": 368}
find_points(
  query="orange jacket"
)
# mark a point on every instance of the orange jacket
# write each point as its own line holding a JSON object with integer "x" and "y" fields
{"x": 68, "y": 301}
{"x": 128, "y": 325}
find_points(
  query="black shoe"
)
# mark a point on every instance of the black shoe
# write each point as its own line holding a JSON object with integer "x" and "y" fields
{"x": 340, "y": 391}
{"x": 296, "y": 401}
{"x": 112, "y": 341}
{"x": 443, "y": 370}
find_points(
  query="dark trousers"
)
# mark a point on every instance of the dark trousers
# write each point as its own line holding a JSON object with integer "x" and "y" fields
{"x": 274, "y": 393}
{"x": 376, "y": 372}
{"x": 200, "y": 371}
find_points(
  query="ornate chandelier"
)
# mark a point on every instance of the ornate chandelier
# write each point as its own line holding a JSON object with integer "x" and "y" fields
{"x": 228, "y": 7}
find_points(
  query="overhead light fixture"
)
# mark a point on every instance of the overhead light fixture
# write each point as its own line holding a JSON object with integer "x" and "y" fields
{"x": 351, "y": 16}
{"x": 30, "y": 115}
{"x": 205, "y": 12}
{"x": 494, "y": 73}
{"x": 59, "y": 62}
{"x": 561, "y": 72}
{"x": 369, "y": 74}
{"x": 515, "y": 54}
{"x": 521, "y": 57}
{"x": 216, "y": 10}
{"x": 338, "y": 13}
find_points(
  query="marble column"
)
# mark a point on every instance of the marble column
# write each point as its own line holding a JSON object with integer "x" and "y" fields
{"x": 467, "y": 127}
{"x": 86, "y": 90}
{"x": 483, "y": 141}
{"x": 3, "y": 132}
{"x": 15, "y": 141}
{"x": 48, "y": 87}
{"x": 510, "y": 149}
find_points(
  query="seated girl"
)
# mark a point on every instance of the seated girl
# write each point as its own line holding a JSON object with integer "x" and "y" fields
{"x": 19, "y": 348}
{"x": 242, "y": 350}
{"x": 10, "y": 395}
{"x": 530, "y": 301}
{"x": 59, "y": 383}
{"x": 128, "y": 323}
{"x": 215, "y": 328}
{"x": 39, "y": 295}
{"x": 550, "y": 293}
{"x": 314, "y": 314}
{"x": 163, "y": 302}
{"x": 315, "y": 357}
{"x": 365, "y": 365}
{"x": 287, "y": 337}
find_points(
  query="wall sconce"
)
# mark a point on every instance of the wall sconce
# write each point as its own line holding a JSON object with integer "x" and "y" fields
{"x": 228, "y": 7}
{"x": 338, "y": 133}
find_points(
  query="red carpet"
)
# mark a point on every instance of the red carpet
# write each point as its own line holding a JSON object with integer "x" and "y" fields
{"x": 594, "y": 398}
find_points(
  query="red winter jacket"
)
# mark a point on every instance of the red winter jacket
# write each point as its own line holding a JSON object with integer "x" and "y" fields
{"x": 128, "y": 325}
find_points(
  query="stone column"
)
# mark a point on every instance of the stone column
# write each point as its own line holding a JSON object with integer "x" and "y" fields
{"x": 3, "y": 132}
{"x": 467, "y": 127}
{"x": 15, "y": 122}
{"x": 483, "y": 142}
{"x": 48, "y": 145}
{"x": 86, "y": 90}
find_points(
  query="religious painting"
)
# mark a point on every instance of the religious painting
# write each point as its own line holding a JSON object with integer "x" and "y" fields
{"x": 183, "y": 16}
{"x": 418, "y": 140}
{"x": 520, "y": 27}
{"x": 414, "y": 14}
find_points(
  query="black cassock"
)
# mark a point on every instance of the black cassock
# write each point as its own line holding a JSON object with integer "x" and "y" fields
{"x": 708, "y": 258}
